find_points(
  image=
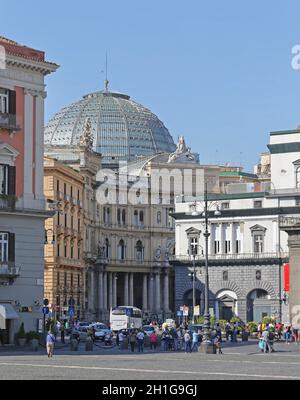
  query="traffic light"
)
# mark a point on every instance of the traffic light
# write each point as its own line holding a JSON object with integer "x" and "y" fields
{"x": 46, "y": 302}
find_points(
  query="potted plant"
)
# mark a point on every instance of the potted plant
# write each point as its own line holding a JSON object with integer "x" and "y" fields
{"x": 33, "y": 339}
{"x": 21, "y": 336}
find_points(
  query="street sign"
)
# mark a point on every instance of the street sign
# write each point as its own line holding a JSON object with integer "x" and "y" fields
{"x": 196, "y": 311}
{"x": 45, "y": 310}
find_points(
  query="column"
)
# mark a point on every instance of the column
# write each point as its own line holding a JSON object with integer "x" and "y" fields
{"x": 232, "y": 237}
{"x": 145, "y": 292}
{"x": 92, "y": 291}
{"x": 126, "y": 299}
{"x": 131, "y": 297}
{"x": 100, "y": 300}
{"x": 150, "y": 293}
{"x": 28, "y": 147}
{"x": 157, "y": 292}
{"x": 105, "y": 290}
{"x": 39, "y": 145}
{"x": 166, "y": 292}
{"x": 110, "y": 290}
{"x": 114, "y": 278}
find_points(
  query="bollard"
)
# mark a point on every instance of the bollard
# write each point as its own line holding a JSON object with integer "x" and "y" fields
{"x": 89, "y": 344}
{"x": 74, "y": 345}
{"x": 34, "y": 345}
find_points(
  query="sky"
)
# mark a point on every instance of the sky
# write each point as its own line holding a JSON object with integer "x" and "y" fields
{"x": 217, "y": 72}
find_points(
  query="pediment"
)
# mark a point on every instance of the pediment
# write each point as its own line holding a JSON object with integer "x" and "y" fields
{"x": 193, "y": 231}
{"x": 258, "y": 228}
{"x": 8, "y": 151}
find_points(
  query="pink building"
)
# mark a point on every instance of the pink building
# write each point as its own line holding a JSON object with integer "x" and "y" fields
{"x": 22, "y": 206}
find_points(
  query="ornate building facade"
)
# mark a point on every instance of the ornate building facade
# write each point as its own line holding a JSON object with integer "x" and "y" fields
{"x": 22, "y": 205}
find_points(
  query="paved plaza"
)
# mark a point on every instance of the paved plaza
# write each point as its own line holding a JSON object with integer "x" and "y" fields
{"x": 239, "y": 362}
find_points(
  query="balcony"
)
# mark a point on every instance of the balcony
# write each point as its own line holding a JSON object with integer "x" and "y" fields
{"x": 9, "y": 270}
{"x": 234, "y": 259}
{"x": 8, "y": 202}
{"x": 8, "y": 121}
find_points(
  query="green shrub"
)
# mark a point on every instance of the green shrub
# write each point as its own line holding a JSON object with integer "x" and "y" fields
{"x": 268, "y": 320}
{"x": 253, "y": 326}
{"x": 32, "y": 335}
{"x": 50, "y": 323}
{"x": 21, "y": 333}
{"x": 235, "y": 319}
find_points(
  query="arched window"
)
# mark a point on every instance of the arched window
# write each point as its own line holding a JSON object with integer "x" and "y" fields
{"x": 139, "y": 251}
{"x": 124, "y": 217}
{"x": 141, "y": 218}
{"x": 136, "y": 218}
{"x": 121, "y": 250}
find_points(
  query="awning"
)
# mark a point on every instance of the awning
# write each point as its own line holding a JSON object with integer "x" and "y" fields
{"x": 7, "y": 312}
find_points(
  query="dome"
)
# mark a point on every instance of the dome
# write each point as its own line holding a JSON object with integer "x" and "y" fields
{"x": 121, "y": 128}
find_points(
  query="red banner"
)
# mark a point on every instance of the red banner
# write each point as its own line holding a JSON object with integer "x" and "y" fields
{"x": 286, "y": 284}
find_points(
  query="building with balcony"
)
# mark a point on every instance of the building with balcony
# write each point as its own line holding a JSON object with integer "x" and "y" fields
{"x": 22, "y": 206}
{"x": 64, "y": 278}
{"x": 247, "y": 249}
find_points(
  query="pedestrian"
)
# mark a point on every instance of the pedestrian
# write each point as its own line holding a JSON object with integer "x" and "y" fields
{"x": 165, "y": 340}
{"x": 295, "y": 334}
{"x": 121, "y": 338}
{"x": 228, "y": 331}
{"x": 62, "y": 333}
{"x": 288, "y": 335}
{"x": 50, "y": 340}
{"x": 218, "y": 344}
{"x": 187, "y": 342}
{"x": 179, "y": 339}
{"x": 195, "y": 341}
{"x": 153, "y": 340}
{"x": 132, "y": 340}
{"x": 265, "y": 339}
{"x": 140, "y": 338}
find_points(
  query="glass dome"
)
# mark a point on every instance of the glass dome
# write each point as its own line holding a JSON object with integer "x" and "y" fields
{"x": 122, "y": 129}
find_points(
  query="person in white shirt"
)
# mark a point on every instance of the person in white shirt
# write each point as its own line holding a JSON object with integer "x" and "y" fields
{"x": 140, "y": 339}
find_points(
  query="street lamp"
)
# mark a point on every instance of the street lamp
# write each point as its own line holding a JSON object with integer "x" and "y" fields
{"x": 193, "y": 274}
{"x": 206, "y": 346}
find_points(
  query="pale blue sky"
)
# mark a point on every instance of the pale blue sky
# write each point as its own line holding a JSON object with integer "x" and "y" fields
{"x": 217, "y": 72}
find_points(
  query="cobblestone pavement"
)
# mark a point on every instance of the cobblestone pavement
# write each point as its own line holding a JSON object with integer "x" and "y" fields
{"x": 240, "y": 361}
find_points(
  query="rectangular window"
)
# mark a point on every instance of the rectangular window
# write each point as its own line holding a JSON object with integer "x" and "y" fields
{"x": 72, "y": 222}
{"x": 66, "y": 220}
{"x": 79, "y": 253}
{"x": 65, "y": 188}
{"x": 4, "y": 101}
{"x": 57, "y": 278}
{"x": 225, "y": 275}
{"x": 71, "y": 279}
{"x": 237, "y": 246}
{"x": 257, "y": 204}
{"x": 4, "y": 249}
{"x": 57, "y": 185}
{"x": 65, "y": 279}
{"x": 225, "y": 206}
{"x": 217, "y": 247}
{"x": 58, "y": 218}
{"x": 58, "y": 250}
{"x": 258, "y": 275}
{"x": 72, "y": 251}
{"x": 227, "y": 246}
{"x": 71, "y": 191}
{"x": 258, "y": 244}
{"x": 78, "y": 280}
{"x": 3, "y": 179}
{"x": 66, "y": 251}
{"x": 193, "y": 246}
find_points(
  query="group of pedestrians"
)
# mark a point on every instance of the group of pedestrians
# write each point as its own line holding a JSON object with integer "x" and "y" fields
{"x": 133, "y": 337}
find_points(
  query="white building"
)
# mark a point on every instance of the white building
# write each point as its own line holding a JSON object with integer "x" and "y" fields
{"x": 246, "y": 248}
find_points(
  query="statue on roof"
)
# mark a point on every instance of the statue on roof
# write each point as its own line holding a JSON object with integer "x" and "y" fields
{"x": 181, "y": 151}
{"x": 86, "y": 139}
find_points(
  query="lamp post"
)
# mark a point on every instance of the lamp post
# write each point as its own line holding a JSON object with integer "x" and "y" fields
{"x": 193, "y": 274}
{"x": 206, "y": 345}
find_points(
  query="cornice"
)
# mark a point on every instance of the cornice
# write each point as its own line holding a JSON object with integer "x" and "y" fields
{"x": 42, "y": 67}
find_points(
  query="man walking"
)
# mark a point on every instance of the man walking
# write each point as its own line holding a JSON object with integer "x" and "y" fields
{"x": 195, "y": 341}
{"x": 140, "y": 338}
{"x": 187, "y": 342}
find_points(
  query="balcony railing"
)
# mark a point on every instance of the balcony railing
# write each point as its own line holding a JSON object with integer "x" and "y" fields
{"x": 8, "y": 121}
{"x": 7, "y": 202}
{"x": 240, "y": 256}
{"x": 9, "y": 270}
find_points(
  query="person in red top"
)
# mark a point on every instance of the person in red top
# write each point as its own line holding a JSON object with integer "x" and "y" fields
{"x": 153, "y": 341}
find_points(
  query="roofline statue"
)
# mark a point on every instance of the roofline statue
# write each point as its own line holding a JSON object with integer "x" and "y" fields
{"x": 86, "y": 138}
{"x": 181, "y": 150}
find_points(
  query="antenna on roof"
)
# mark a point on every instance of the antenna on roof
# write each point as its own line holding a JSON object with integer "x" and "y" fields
{"x": 106, "y": 82}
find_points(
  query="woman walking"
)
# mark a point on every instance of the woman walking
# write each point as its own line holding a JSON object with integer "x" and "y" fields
{"x": 50, "y": 344}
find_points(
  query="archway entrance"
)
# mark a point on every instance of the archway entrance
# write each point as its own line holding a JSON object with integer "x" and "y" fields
{"x": 188, "y": 300}
{"x": 258, "y": 305}
{"x": 226, "y": 305}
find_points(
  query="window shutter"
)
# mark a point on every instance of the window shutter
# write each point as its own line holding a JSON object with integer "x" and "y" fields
{"x": 12, "y": 180}
{"x": 12, "y": 102}
{"x": 11, "y": 247}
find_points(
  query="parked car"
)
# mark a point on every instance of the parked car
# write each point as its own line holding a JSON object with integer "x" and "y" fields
{"x": 83, "y": 323}
{"x": 80, "y": 333}
{"x": 100, "y": 330}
